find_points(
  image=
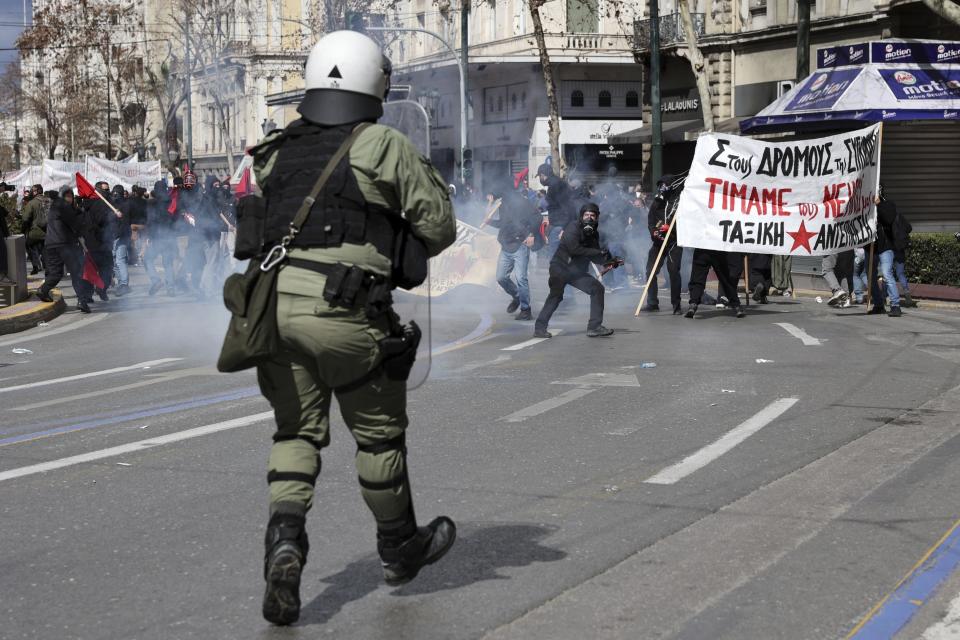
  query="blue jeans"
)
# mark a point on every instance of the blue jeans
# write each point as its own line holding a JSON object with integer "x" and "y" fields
{"x": 859, "y": 278}
{"x": 900, "y": 270}
{"x": 166, "y": 250}
{"x": 885, "y": 261}
{"x": 507, "y": 264}
{"x": 120, "y": 252}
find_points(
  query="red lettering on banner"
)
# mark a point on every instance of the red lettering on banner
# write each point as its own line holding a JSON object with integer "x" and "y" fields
{"x": 781, "y": 211}
{"x": 770, "y": 199}
{"x": 713, "y": 182}
{"x": 754, "y": 202}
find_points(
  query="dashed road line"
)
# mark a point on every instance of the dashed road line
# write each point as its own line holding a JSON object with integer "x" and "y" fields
{"x": 91, "y": 374}
{"x": 548, "y": 404}
{"x": 134, "y": 446}
{"x": 531, "y": 342}
{"x": 797, "y": 332}
{"x": 731, "y": 439}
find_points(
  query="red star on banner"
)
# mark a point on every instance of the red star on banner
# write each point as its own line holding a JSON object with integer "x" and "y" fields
{"x": 801, "y": 238}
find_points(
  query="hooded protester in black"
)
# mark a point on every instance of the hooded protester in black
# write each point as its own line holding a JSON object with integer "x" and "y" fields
{"x": 660, "y": 215}
{"x": 62, "y": 248}
{"x": 579, "y": 246}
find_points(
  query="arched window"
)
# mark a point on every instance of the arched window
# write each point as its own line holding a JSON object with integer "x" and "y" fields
{"x": 633, "y": 100}
{"x": 576, "y": 98}
{"x": 605, "y": 99}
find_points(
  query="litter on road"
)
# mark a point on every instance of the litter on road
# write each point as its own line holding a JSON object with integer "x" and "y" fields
{"x": 43, "y": 324}
{"x": 727, "y": 391}
{"x": 762, "y": 361}
{"x": 648, "y": 365}
{"x": 21, "y": 352}
{"x": 124, "y": 464}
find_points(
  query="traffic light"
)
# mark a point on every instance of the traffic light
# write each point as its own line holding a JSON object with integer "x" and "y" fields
{"x": 467, "y": 165}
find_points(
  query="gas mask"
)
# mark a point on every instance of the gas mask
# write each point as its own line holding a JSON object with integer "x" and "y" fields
{"x": 589, "y": 227}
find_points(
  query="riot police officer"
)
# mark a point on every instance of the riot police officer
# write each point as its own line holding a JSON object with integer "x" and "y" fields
{"x": 333, "y": 309}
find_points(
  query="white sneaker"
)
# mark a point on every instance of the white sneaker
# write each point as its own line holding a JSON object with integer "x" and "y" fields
{"x": 837, "y": 298}
{"x": 846, "y": 303}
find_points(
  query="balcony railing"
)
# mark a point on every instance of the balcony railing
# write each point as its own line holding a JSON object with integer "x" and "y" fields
{"x": 671, "y": 30}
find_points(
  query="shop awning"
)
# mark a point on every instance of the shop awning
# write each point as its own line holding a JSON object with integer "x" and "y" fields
{"x": 874, "y": 92}
{"x": 672, "y": 132}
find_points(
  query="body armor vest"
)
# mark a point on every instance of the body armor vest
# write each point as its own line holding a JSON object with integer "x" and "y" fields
{"x": 341, "y": 213}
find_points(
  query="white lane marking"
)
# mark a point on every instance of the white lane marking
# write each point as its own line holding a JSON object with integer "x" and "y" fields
{"x": 603, "y": 380}
{"x": 151, "y": 380}
{"x": 92, "y": 374}
{"x": 134, "y": 446}
{"x": 949, "y": 627}
{"x": 531, "y": 342}
{"x": 548, "y": 404}
{"x": 478, "y": 365}
{"x": 711, "y": 452}
{"x": 43, "y": 332}
{"x": 797, "y": 332}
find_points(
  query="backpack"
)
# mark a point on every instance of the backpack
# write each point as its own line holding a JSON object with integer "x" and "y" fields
{"x": 901, "y": 233}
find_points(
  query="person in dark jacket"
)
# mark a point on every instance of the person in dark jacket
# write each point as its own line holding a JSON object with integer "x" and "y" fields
{"x": 518, "y": 223}
{"x": 579, "y": 246}
{"x": 886, "y": 245}
{"x": 161, "y": 240}
{"x": 761, "y": 276}
{"x": 99, "y": 232}
{"x": 34, "y": 226}
{"x": 62, "y": 248}
{"x": 659, "y": 216}
{"x": 121, "y": 240}
{"x": 560, "y": 201}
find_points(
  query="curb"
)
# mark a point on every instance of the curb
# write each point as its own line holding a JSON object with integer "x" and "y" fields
{"x": 31, "y": 316}
{"x": 921, "y": 303}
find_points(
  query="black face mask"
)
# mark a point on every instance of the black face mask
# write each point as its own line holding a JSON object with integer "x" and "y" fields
{"x": 589, "y": 228}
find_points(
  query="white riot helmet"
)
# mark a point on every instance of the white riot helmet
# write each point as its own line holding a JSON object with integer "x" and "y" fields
{"x": 347, "y": 79}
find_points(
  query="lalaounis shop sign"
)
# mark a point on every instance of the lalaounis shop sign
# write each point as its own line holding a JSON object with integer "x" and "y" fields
{"x": 809, "y": 197}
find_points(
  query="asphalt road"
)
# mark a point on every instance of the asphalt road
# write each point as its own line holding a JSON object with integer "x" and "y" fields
{"x": 771, "y": 477}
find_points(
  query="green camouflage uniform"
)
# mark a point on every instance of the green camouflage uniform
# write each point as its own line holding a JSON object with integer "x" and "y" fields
{"x": 324, "y": 347}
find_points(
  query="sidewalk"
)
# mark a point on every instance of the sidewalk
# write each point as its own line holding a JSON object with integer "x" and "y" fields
{"x": 32, "y": 311}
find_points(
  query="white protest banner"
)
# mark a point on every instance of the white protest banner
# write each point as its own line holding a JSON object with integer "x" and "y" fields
{"x": 804, "y": 197}
{"x": 126, "y": 174}
{"x": 23, "y": 178}
{"x": 56, "y": 174}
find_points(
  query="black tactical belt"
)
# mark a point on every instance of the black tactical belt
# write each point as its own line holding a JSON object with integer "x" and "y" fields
{"x": 345, "y": 283}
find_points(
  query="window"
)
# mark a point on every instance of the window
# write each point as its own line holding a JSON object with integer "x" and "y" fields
{"x": 583, "y": 16}
{"x": 576, "y": 99}
{"x": 513, "y": 102}
{"x": 605, "y": 99}
{"x": 633, "y": 100}
{"x": 492, "y": 20}
{"x": 500, "y": 104}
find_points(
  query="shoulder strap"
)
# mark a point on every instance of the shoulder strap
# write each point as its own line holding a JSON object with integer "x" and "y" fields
{"x": 301, "y": 218}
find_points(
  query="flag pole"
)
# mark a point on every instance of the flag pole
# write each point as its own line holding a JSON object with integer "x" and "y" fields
{"x": 653, "y": 272}
{"x": 746, "y": 278}
{"x": 873, "y": 244}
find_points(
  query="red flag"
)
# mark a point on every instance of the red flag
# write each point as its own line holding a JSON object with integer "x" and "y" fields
{"x": 174, "y": 198}
{"x": 85, "y": 189}
{"x": 90, "y": 273}
{"x": 518, "y": 178}
{"x": 243, "y": 187}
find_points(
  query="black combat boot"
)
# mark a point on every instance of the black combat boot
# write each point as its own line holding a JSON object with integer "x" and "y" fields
{"x": 404, "y": 553}
{"x": 286, "y": 554}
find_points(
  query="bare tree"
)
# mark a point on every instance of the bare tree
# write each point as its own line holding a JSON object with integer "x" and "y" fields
{"x": 697, "y": 65}
{"x": 553, "y": 125}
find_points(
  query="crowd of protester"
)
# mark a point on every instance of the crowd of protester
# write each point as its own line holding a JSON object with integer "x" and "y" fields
{"x": 182, "y": 234}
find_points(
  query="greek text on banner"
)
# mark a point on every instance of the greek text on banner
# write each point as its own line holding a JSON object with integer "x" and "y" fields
{"x": 804, "y": 197}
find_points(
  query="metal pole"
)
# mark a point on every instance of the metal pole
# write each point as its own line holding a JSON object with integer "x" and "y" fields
{"x": 109, "y": 134}
{"x": 189, "y": 90}
{"x": 656, "y": 147}
{"x": 803, "y": 39}
{"x": 464, "y": 58}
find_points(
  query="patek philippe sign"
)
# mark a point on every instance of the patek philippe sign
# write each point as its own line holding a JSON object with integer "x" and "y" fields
{"x": 594, "y": 131}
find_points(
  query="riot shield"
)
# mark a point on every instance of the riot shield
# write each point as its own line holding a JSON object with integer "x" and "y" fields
{"x": 411, "y": 119}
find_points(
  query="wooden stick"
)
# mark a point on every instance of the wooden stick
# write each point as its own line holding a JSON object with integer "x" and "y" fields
{"x": 870, "y": 273}
{"x": 653, "y": 273}
{"x": 746, "y": 278}
{"x": 492, "y": 212}
{"x": 112, "y": 208}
